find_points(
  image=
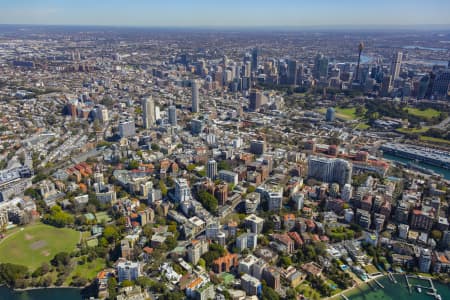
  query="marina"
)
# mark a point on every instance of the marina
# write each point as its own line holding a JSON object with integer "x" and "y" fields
{"x": 400, "y": 286}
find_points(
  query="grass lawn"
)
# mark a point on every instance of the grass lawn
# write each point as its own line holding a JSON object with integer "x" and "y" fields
{"x": 89, "y": 270}
{"x": 434, "y": 140}
{"x": 102, "y": 216}
{"x": 36, "y": 244}
{"x": 362, "y": 126}
{"x": 308, "y": 291}
{"x": 413, "y": 130}
{"x": 427, "y": 113}
{"x": 346, "y": 113}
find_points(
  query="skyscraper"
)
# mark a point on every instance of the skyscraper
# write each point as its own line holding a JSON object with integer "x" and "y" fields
{"x": 292, "y": 72}
{"x": 172, "y": 115}
{"x": 255, "y": 60}
{"x": 148, "y": 109}
{"x": 360, "y": 49}
{"x": 396, "y": 65}
{"x": 195, "y": 100}
{"x": 320, "y": 66}
{"x": 211, "y": 169}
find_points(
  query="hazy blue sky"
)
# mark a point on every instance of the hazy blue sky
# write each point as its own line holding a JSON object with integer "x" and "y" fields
{"x": 225, "y": 12}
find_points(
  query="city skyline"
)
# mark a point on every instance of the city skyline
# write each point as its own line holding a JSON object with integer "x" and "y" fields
{"x": 227, "y": 14}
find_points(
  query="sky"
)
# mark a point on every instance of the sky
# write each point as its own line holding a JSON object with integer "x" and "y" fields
{"x": 226, "y": 13}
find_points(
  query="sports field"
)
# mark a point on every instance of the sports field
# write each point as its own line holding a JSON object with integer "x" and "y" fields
{"x": 37, "y": 243}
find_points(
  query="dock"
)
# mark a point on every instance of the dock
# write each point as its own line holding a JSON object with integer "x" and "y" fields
{"x": 391, "y": 277}
{"x": 378, "y": 283}
{"x": 407, "y": 283}
{"x": 344, "y": 297}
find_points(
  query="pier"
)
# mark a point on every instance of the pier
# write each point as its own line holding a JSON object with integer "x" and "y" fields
{"x": 378, "y": 283}
{"x": 391, "y": 277}
{"x": 409, "y": 285}
{"x": 344, "y": 297}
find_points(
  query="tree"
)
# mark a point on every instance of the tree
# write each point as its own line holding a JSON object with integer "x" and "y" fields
{"x": 436, "y": 234}
{"x": 61, "y": 259}
{"x": 57, "y": 217}
{"x": 111, "y": 234}
{"x": 126, "y": 283}
{"x": 112, "y": 288}
{"x": 163, "y": 188}
{"x": 208, "y": 201}
{"x": 10, "y": 273}
{"x": 133, "y": 164}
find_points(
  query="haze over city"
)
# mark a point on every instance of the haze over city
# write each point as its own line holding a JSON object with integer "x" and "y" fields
{"x": 224, "y": 150}
{"x": 234, "y": 13}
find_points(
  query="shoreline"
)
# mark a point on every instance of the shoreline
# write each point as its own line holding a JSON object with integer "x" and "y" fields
{"x": 45, "y": 288}
{"x": 357, "y": 286}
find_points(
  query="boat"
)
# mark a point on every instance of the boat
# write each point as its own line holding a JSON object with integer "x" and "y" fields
{"x": 419, "y": 289}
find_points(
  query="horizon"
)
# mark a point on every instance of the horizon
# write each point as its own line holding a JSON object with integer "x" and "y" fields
{"x": 230, "y": 14}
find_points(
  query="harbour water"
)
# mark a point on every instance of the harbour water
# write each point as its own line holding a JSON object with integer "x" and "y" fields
{"x": 40, "y": 294}
{"x": 444, "y": 172}
{"x": 397, "y": 291}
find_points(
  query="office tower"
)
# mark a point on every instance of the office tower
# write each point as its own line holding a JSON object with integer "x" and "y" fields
{"x": 396, "y": 65}
{"x": 256, "y": 100}
{"x": 331, "y": 114}
{"x": 246, "y": 69}
{"x": 257, "y": 147}
{"x": 148, "y": 108}
{"x": 195, "y": 99}
{"x": 172, "y": 115}
{"x": 196, "y": 126}
{"x": 329, "y": 169}
{"x": 320, "y": 67}
{"x": 255, "y": 60}
{"x": 360, "y": 49}
{"x": 211, "y": 169}
{"x": 386, "y": 85}
{"x": 441, "y": 85}
{"x": 292, "y": 72}
{"x": 127, "y": 128}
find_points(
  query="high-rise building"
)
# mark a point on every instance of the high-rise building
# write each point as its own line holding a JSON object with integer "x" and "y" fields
{"x": 255, "y": 60}
{"x": 182, "y": 190}
{"x": 292, "y": 72}
{"x": 386, "y": 85}
{"x": 441, "y": 85}
{"x": 360, "y": 49}
{"x": 148, "y": 109}
{"x": 275, "y": 198}
{"x": 128, "y": 270}
{"x": 320, "y": 67}
{"x": 172, "y": 115}
{"x": 347, "y": 192}
{"x": 195, "y": 97}
{"x": 127, "y": 128}
{"x": 211, "y": 169}
{"x": 257, "y": 147}
{"x": 330, "y": 169}
{"x": 425, "y": 260}
{"x": 256, "y": 99}
{"x": 396, "y": 65}
{"x": 331, "y": 115}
